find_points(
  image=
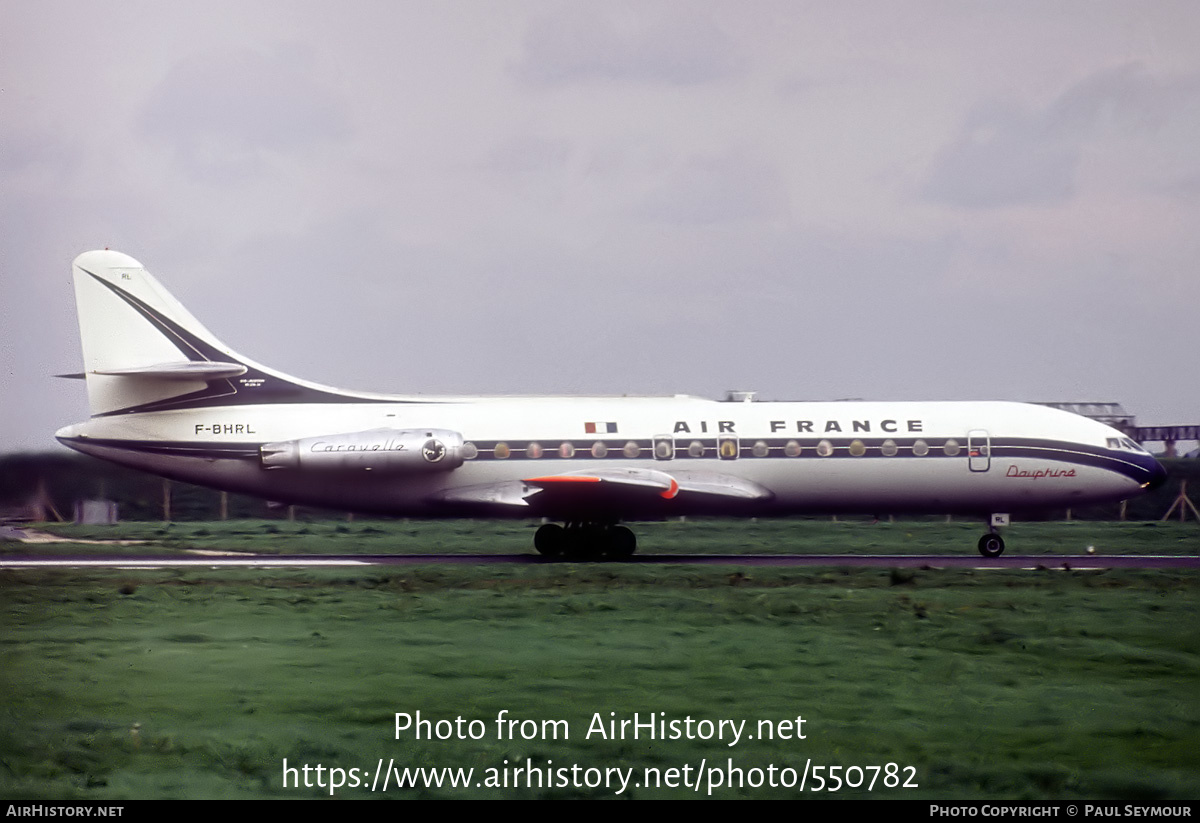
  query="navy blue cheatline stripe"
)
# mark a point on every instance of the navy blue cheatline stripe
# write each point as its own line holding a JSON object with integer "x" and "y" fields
{"x": 173, "y": 448}
{"x": 1139, "y": 467}
{"x": 1058, "y": 451}
{"x": 222, "y": 391}
{"x": 1051, "y": 450}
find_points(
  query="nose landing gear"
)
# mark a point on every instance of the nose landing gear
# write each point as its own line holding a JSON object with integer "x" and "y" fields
{"x": 991, "y": 544}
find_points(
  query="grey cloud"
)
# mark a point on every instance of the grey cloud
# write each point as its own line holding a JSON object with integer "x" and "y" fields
{"x": 36, "y": 162}
{"x": 527, "y": 153}
{"x": 1126, "y": 100}
{"x": 221, "y": 111}
{"x": 1187, "y": 187}
{"x": 599, "y": 44}
{"x": 1003, "y": 159}
{"x": 1004, "y": 156}
{"x": 722, "y": 189}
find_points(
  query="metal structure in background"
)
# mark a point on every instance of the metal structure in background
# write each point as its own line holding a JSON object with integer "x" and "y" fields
{"x": 1183, "y": 504}
{"x": 1110, "y": 414}
{"x": 1167, "y": 434}
{"x": 1113, "y": 414}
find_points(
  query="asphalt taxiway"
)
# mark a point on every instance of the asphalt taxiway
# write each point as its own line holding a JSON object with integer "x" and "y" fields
{"x": 928, "y": 561}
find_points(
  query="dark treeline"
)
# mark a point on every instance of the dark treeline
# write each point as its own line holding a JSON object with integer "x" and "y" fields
{"x": 52, "y": 484}
{"x": 47, "y": 486}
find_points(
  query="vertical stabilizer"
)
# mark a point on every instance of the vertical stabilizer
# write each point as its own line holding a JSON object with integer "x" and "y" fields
{"x": 143, "y": 351}
{"x": 133, "y": 333}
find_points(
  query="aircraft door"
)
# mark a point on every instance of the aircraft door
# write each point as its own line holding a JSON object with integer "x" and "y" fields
{"x": 979, "y": 450}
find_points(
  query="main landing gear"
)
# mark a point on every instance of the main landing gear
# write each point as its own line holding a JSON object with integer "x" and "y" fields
{"x": 585, "y": 541}
{"x": 991, "y": 544}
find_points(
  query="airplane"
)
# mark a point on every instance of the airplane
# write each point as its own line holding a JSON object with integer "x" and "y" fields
{"x": 167, "y": 397}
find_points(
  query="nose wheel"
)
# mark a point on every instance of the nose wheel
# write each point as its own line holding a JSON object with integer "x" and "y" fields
{"x": 585, "y": 541}
{"x": 991, "y": 545}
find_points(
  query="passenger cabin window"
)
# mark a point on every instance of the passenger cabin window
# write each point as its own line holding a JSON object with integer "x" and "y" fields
{"x": 727, "y": 447}
{"x": 664, "y": 448}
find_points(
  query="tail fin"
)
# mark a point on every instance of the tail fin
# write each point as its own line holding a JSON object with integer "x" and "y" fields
{"x": 143, "y": 351}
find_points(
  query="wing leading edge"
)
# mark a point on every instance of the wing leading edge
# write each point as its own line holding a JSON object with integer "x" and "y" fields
{"x": 607, "y": 488}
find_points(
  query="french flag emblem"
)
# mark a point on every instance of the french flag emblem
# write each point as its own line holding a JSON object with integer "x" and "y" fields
{"x": 600, "y": 428}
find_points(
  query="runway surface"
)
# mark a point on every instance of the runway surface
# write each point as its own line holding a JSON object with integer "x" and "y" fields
{"x": 1065, "y": 562}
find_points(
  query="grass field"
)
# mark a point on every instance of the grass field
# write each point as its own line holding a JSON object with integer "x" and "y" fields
{"x": 855, "y": 535}
{"x": 988, "y": 684}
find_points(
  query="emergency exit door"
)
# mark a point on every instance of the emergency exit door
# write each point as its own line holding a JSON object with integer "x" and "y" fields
{"x": 979, "y": 450}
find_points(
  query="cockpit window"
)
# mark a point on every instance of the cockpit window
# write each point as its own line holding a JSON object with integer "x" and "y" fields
{"x": 1125, "y": 444}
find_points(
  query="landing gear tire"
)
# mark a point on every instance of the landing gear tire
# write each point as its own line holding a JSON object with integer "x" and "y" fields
{"x": 991, "y": 545}
{"x": 550, "y": 540}
{"x": 585, "y": 541}
{"x": 621, "y": 543}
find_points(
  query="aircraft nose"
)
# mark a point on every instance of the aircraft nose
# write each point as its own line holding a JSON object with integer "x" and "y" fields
{"x": 1158, "y": 474}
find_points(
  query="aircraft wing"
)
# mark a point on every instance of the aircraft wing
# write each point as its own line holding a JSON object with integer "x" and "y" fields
{"x": 607, "y": 488}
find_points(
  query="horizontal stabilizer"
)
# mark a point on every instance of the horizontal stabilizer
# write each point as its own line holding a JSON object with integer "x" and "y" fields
{"x": 180, "y": 370}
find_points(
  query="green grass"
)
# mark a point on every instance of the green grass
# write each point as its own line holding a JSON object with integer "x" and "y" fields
{"x": 992, "y": 684}
{"x": 694, "y": 536}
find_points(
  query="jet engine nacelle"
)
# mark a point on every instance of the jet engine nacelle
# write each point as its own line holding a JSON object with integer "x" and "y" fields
{"x": 392, "y": 450}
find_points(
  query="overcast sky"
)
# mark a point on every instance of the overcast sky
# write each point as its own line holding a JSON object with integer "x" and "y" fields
{"x": 815, "y": 200}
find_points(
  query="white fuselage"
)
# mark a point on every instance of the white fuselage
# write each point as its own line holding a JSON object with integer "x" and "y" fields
{"x": 169, "y": 397}
{"x": 810, "y": 457}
